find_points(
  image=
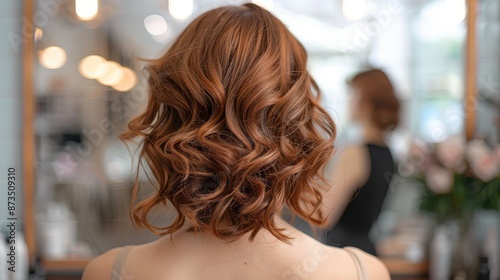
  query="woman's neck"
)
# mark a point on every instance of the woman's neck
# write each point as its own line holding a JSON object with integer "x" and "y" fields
{"x": 263, "y": 237}
{"x": 373, "y": 135}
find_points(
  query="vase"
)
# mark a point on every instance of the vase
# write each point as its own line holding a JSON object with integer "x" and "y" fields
{"x": 440, "y": 254}
{"x": 451, "y": 252}
{"x": 463, "y": 254}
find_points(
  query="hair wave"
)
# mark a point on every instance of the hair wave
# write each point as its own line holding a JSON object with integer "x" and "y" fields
{"x": 233, "y": 129}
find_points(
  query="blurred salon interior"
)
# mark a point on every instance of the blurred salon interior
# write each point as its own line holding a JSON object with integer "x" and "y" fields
{"x": 72, "y": 76}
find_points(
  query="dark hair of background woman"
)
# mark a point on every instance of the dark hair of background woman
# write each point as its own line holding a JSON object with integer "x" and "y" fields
{"x": 376, "y": 91}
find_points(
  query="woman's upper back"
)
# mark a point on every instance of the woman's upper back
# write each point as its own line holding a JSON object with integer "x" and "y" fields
{"x": 196, "y": 258}
{"x": 365, "y": 207}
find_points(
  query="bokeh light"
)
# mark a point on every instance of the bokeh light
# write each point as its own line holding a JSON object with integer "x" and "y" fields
{"x": 53, "y": 57}
{"x": 113, "y": 75}
{"x": 127, "y": 82}
{"x": 93, "y": 66}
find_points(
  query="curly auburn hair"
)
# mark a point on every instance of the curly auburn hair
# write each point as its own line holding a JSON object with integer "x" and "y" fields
{"x": 233, "y": 129}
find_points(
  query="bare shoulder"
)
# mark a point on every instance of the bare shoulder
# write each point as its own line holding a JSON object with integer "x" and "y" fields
{"x": 353, "y": 148}
{"x": 353, "y": 163}
{"x": 374, "y": 268}
{"x": 101, "y": 267}
{"x": 354, "y": 153}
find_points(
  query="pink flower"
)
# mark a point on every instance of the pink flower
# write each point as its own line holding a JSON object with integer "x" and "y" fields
{"x": 476, "y": 148}
{"x": 438, "y": 179}
{"x": 451, "y": 152}
{"x": 485, "y": 167}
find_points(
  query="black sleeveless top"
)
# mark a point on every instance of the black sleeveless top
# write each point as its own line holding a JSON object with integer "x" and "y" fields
{"x": 361, "y": 213}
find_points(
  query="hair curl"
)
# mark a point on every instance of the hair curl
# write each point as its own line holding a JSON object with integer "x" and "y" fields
{"x": 233, "y": 129}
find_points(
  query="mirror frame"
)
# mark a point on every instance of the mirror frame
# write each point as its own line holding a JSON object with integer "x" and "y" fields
{"x": 28, "y": 135}
{"x": 470, "y": 70}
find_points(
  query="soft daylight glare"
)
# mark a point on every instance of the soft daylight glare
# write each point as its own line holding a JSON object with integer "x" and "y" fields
{"x": 266, "y": 4}
{"x": 53, "y": 57}
{"x": 92, "y": 67}
{"x": 127, "y": 82}
{"x": 455, "y": 10}
{"x": 180, "y": 9}
{"x": 436, "y": 129}
{"x": 438, "y": 20}
{"x": 113, "y": 75}
{"x": 155, "y": 25}
{"x": 354, "y": 9}
{"x": 86, "y": 9}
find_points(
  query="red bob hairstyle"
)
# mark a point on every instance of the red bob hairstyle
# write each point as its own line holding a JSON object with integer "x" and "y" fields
{"x": 233, "y": 129}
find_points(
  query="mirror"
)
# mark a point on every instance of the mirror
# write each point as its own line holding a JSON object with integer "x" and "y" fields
{"x": 89, "y": 81}
{"x": 488, "y": 76}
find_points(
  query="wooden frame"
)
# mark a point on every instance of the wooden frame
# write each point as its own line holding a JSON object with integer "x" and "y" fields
{"x": 28, "y": 138}
{"x": 470, "y": 70}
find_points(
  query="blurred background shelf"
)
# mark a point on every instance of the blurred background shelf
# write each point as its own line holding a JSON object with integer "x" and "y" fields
{"x": 403, "y": 269}
{"x": 65, "y": 265}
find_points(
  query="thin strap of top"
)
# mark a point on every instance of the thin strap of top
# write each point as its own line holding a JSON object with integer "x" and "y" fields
{"x": 119, "y": 262}
{"x": 357, "y": 262}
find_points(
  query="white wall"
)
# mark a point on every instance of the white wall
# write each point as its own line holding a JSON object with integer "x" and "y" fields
{"x": 10, "y": 103}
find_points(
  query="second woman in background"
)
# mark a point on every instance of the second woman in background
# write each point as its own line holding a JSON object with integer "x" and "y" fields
{"x": 363, "y": 172}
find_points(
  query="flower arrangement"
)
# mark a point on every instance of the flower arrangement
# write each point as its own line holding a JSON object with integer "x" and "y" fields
{"x": 459, "y": 177}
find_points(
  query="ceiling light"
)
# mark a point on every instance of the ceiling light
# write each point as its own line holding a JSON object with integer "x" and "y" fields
{"x": 53, "y": 57}
{"x": 180, "y": 9}
{"x": 354, "y": 9}
{"x": 155, "y": 25}
{"x": 86, "y": 9}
